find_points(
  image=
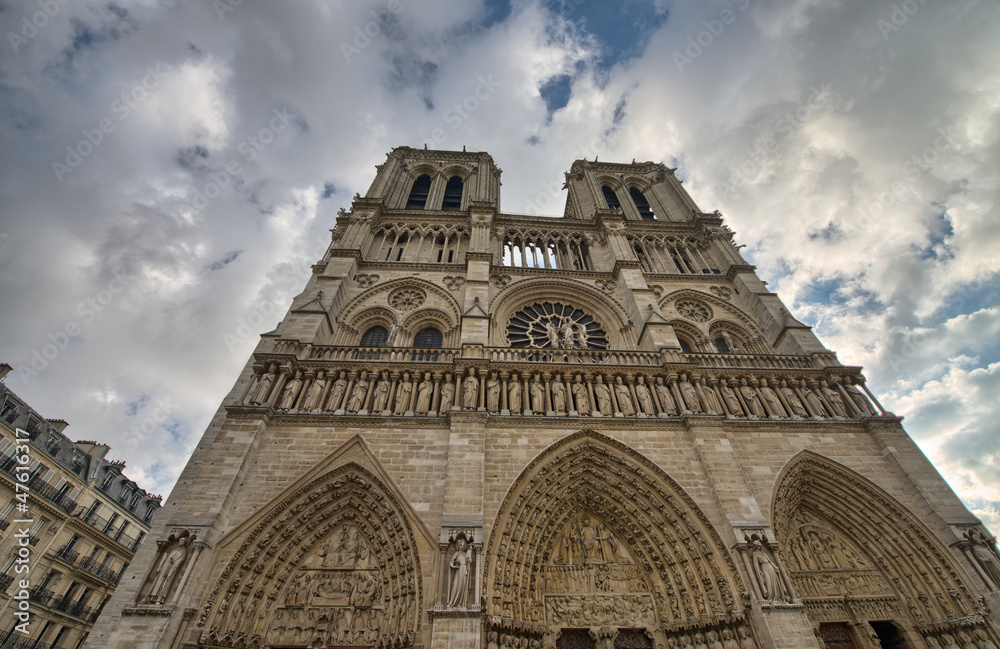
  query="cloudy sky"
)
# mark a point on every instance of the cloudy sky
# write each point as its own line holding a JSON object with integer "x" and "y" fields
{"x": 853, "y": 146}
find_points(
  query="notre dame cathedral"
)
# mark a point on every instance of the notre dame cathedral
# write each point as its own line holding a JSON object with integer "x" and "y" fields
{"x": 479, "y": 430}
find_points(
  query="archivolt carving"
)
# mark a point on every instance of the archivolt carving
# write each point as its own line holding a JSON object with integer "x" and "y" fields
{"x": 591, "y": 528}
{"x": 579, "y": 294}
{"x": 333, "y": 563}
{"x": 436, "y": 298}
{"x": 839, "y": 526}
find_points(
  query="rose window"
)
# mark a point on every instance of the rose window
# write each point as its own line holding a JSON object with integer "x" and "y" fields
{"x": 553, "y": 325}
{"x": 406, "y": 299}
{"x": 694, "y": 310}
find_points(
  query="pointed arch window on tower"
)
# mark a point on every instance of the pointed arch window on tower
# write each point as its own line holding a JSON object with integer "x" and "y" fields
{"x": 453, "y": 194}
{"x": 418, "y": 194}
{"x": 641, "y": 204}
{"x": 610, "y": 197}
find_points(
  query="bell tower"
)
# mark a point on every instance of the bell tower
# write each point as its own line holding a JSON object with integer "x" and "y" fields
{"x": 482, "y": 430}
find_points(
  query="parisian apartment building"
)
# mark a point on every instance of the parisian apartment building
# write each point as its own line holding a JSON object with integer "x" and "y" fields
{"x": 474, "y": 429}
{"x": 70, "y": 524}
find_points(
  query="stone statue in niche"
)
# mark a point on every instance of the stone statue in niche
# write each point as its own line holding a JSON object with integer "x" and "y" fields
{"x": 382, "y": 393}
{"x": 291, "y": 391}
{"x": 514, "y": 394}
{"x": 424, "y": 392}
{"x": 644, "y": 397}
{"x": 259, "y": 395}
{"x": 666, "y": 400}
{"x": 337, "y": 392}
{"x": 537, "y": 395}
{"x": 764, "y": 571}
{"x": 403, "y": 393}
{"x": 793, "y": 401}
{"x": 172, "y": 556}
{"x": 470, "y": 390}
{"x": 315, "y": 393}
{"x": 985, "y": 552}
{"x": 691, "y": 403}
{"x": 624, "y": 398}
{"x": 558, "y": 396}
{"x": 581, "y": 397}
{"x": 603, "y": 395}
{"x": 459, "y": 569}
{"x": 357, "y": 400}
{"x": 447, "y": 394}
{"x": 493, "y": 393}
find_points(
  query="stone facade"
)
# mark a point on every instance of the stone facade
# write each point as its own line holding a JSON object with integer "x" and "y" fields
{"x": 482, "y": 430}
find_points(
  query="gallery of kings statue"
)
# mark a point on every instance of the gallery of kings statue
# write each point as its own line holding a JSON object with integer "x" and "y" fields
{"x": 482, "y": 430}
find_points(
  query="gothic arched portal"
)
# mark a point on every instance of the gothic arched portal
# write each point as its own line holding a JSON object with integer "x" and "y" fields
{"x": 859, "y": 558}
{"x": 333, "y": 563}
{"x": 594, "y": 535}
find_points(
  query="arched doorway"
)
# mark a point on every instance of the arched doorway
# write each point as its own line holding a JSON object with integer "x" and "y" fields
{"x": 596, "y": 547}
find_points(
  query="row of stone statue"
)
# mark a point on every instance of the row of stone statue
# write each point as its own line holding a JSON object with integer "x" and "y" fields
{"x": 963, "y": 639}
{"x": 403, "y": 394}
{"x": 713, "y": 639}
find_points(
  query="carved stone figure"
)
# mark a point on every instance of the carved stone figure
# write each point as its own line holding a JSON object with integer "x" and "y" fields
{"x": 624, "y": 398}
{"x": 767, "y": 575}
{"x": 537, "y": 395}
{"x": 514, "y": 394}
{"x": 381, "y": 400}
{"x": 291, "y": 392}
{"x": 666, "y": 399}
{"x": 798, "y": 410}
{"x": 580, "y": 396}
{"x": 424, "y": 392}
{"x": 732, "y": 402}
{"x": 712, "y": 405}
{"x": 493, "y": 393}
{"x": 552, "y": 333}
{"x": 558, "y": 396}
{"x": 813, "y": 401}
{"x": 746, "y": 640}
{"x": 337, "y": 392}
{"x": 314, "y": 393}
{"x": 357, "y": 400}
{"x": 470, "y": 390}
{"x": 603, "y": 395}
{"x": 259, "y": 395}
{"x": 403, "y": 392}
{"x": 834, "y": 399}
{"x": 751, "y": 399}
{"x": 644, "y": 398}
{"x": 459, "y": 568}
{"x": 173, "y": 556}
{"x": 985, "y": 553}
{"x": 691, "y": 403}
{"x": 568, "y": 337}
{"x": 858, "y": 398}
{"x": 447, "y": 394}
{"x": 771, "y": 399}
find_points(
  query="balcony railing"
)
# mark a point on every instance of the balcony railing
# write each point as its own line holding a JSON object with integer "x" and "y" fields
{"x": 66, "y": 605}
{"x": 89, "y": 565}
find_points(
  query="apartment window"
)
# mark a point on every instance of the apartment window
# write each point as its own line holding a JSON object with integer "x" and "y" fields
{"x": 453, "y": 194}
{"x": 418, "y": 194}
